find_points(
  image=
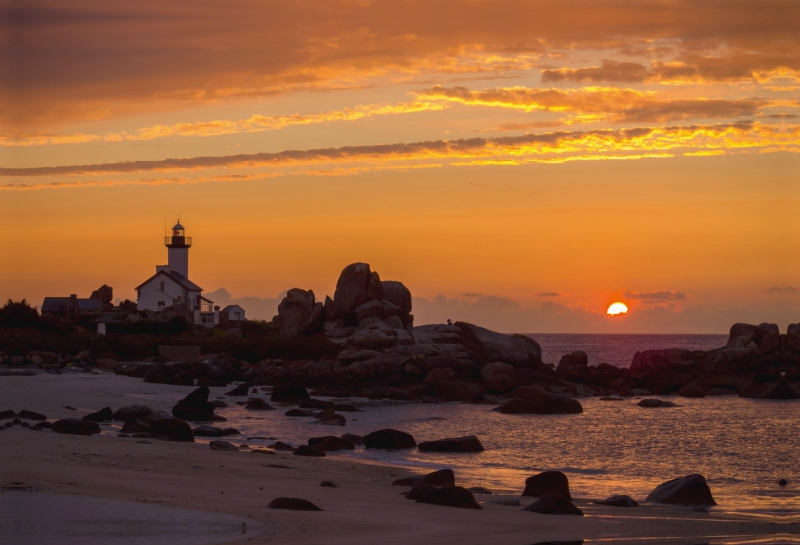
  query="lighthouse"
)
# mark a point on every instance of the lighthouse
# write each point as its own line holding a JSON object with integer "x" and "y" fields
{"x": 178, "y": 250}
{"x": 170, "y": 288}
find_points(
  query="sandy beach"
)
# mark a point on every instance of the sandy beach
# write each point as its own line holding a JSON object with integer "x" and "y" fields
{"x": 365, "y": 508}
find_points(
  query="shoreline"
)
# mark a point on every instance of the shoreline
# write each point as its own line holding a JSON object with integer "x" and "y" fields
{"x": 366, "y": 508}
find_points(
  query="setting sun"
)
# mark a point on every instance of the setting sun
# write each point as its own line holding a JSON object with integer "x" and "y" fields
{"x": 616, "y": 309}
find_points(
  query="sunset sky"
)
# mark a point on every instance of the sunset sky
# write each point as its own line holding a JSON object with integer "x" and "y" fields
{"x": 517, "y": 164}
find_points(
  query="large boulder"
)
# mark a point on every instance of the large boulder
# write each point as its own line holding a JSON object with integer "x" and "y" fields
{"x": 353, "y": 289}
{"x": 171, "y": 429}
{"x": 75, "y": 426}
{"x": 499, "y": 377}
{"x": 298, "y": 313}
{"x": 542, "y": 405}
{"x": 442, "y": 477}
{"x": 389, "y": 439}
{"x": 103, "y": 415}
{"x": 468, "y": 443}
{"x": 553, "y": 504}
{"x": 489, "y": 346}
{"x": 689, "y": 490}
{"x": 547, "y": 482}
{"x": 289, "y": 394}
{"x": 399, "y": 296}
{"x": 653, "y": 362}
{"x": 330, "y": 443}
{"x": 104, "y": 293}
{"x": 456, "y": 390}
{"x": 196, "y": 407}
{"x": 765, "y": 336}
{"x": 451, "y": 496}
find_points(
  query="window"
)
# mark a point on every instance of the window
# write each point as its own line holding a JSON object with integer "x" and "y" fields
{"x": 160, "y": 304}
{"x": 162, "y": 285}
{"x": 237, "y": 315}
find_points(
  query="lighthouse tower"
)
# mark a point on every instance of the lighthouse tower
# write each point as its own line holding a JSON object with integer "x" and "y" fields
{"x": 178, "y": 250}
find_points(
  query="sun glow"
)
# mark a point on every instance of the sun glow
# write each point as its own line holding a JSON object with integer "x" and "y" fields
{"x": 616, "y": 309}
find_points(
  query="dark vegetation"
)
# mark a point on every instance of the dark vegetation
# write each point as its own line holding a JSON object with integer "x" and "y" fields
{"x": 23, "y": 329}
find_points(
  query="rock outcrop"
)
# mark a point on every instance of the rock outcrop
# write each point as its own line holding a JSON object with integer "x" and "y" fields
{"x": 468, "y": 443}
{"x": 547, "y": 482}
{"x": 389, "y": 439}
{"x": 689, "y": 490}
{"x": 451, "y": 496}
{"x": 553, "y": 504}
{"x": 299, "y": 313}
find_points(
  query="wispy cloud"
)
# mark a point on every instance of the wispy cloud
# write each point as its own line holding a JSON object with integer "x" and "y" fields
{"x": 548, "y": 294}
{"x": 775, "y": 290}
{"x": 547, "y": 147}
{"x": 593, "y": 104}
{"x": 661, "y": 295}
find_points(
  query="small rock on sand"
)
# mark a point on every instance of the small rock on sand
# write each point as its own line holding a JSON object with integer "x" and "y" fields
{"x": 451, "y": 496}
{"x": 294, "y": 504}
{"x": 305, "y": 450}
{"x": 619, "y": 500}
{"x": 553, "y": 504}
{"x": 223, "y": 445}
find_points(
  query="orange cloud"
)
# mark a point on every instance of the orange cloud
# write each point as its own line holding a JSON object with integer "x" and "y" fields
{"x": 558, "y": 146}
{"x": 95, "y": 60}
{"x": 599, "y": 103}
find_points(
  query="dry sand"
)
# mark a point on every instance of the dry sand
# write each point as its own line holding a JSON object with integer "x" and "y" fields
{"x": 365, "y": 509}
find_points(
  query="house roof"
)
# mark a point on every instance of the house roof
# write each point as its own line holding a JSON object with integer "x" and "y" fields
{"x": 231, "y": 307}
{"x": 177, "y": 277}
{"x": 68, "y": 304}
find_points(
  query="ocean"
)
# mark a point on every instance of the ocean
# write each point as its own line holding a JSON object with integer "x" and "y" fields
{"x": 618, "y": 349}
{"x": 742, "y": 446}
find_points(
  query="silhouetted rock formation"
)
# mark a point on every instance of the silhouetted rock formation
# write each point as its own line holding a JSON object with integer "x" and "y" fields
{"x": 689, "y": 490}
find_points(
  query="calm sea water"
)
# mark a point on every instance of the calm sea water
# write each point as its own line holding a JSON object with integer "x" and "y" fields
{"x": 742, "y": 446}
{"x": 618, "y": 349}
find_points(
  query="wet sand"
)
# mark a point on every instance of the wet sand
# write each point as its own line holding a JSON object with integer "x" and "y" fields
{"x": 365, "y": 509}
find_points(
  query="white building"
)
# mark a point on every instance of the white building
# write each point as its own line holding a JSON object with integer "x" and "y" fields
{"x": 232, "y": 313}
{"x": 170, "y": 287}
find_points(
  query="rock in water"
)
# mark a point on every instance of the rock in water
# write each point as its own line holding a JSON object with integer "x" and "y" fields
{"x": 289, "y": 394}
{"x": 195, "y": 406}
{"x": 294, "y": 504}
{"x": 619, "y": 500}
{"x": 241, "y": 390}
{"x": 547, "y": 482}
{"x": 442, "y": 477}
{"x": 553, "y": 504}
{"x": 542, "y": 405}
{"x": 353, "y": 438}
{"x": 655, "y": 403}
{"x": 330, "y": 443}
{"x": 468, "y": 443}
{"x": 75, "y": 426}
{"x": 305, "y": 450}
{"x": 171, "y": 429}
{"x": 389, "y": 439}
{"x": 103, "y": 415}
{"x": 689, "y": 490}
{"x": 258, "y": 404}
{"x": 223, "y": 445}
{"x": 207, "y": 431}
{"x": 30, "y": 415}
{"x": 451, "y": 496}
{"x": 133, "y": 412}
